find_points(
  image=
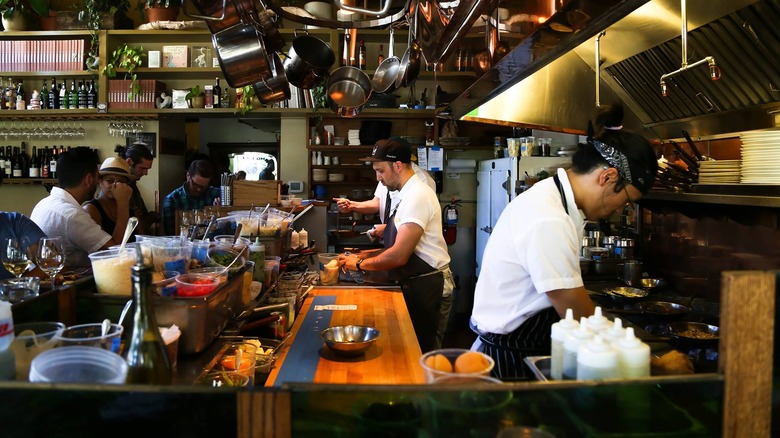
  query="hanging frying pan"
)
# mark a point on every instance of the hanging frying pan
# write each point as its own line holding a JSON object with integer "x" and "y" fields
{"x": 387, "y": 72}
{"x": 410, "y": 63}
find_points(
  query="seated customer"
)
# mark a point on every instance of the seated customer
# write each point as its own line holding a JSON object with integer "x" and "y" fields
{"x": 111, "y": 208}
{"x": 194, "y": 194}
{"x": 60, "y": 213}
{"x": 18, "y": 226}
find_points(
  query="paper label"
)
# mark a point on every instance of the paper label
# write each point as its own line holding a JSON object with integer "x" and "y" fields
{"x": 336, "y": 307}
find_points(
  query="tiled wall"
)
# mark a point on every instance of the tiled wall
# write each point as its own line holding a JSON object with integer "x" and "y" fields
{"x": 692, "y": 252}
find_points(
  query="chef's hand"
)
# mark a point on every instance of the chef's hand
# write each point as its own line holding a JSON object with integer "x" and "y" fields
{"x": 673, "y": 362}
{"x": 347, "y": 261}
{"x": 344, "y": 204}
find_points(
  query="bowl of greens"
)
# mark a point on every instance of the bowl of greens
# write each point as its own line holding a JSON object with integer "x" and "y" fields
{"x": 223, "y": 257}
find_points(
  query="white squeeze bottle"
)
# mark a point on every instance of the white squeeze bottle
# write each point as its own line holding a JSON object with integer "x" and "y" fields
{"x": 597, "y": 322}
{"x": 597, "y": 360}
{"x": 615, "y": 332}
{"x": 295, "y": 239}
{"x": 558, "y": 334}
{"x": 633, "y": 356}
{"x": 571, "y": 345}
{"x": 7, "y": 358}
{"x": 303, "y": 236}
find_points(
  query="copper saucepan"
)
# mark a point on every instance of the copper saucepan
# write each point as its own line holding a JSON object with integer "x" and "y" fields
{"x": 308, "y": 60}
{"x": 348, "y": 90}
{"x": 276, "y": 88}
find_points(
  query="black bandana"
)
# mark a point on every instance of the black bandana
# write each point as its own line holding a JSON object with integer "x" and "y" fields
{"x": 615, "y": 159}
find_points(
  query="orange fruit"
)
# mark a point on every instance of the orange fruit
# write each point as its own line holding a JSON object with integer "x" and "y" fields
{"x": 471, "y": 362}
{"x": 439, "y": 362}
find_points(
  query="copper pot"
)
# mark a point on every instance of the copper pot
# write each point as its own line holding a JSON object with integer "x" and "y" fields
{"x": 242, "y": 55}
{"x": 308, "y": 60}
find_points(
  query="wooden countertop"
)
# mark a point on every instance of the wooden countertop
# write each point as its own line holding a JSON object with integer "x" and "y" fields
{"x": 393, "y": 359}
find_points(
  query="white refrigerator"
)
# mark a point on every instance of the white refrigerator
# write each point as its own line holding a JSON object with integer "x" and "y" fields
{"x": 498, "y": 182}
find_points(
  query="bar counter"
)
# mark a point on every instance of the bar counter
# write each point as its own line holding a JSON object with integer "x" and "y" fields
{"x": 392, "y": 360}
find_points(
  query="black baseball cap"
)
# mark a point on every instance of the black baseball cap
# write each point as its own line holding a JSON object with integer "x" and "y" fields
{"x": 393, "y": 149}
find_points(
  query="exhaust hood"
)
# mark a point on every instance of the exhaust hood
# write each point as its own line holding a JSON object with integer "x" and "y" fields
{"x": 555, "y": 88}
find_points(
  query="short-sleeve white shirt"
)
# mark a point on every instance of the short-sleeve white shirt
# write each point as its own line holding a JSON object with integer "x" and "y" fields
{"x": 59, "y": 214}
{"x": 418, "y": 204}
{"x": 533, "y": 249}
{"x": 381, "y": 190}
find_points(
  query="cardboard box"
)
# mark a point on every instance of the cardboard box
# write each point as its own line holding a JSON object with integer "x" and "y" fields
{"x": 246, "y": 193}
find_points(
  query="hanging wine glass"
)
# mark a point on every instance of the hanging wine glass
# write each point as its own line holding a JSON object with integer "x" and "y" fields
{"x": 14, "y": 256}
{"x": 51, "y": 257}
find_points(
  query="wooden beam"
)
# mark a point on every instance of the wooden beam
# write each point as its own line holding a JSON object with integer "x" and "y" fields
{"x": 746, "y": 348}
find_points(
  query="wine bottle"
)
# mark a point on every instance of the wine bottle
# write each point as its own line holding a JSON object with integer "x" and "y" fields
{"x": 34, "y": 170}
{"x": 217, "y": 94}
{"x": 73, "y": 96}
{"x": 20, "y": 91}
{"x": 9, "y": 162}
{"x": 24, "y": 157}
{"x": 459, "y": 60}
{"x": 64, "y": 99}
{"x": 224, "y": 101}
{"x": 147, "y": 357}
{"x": 53, "y": 163}
{"x": 45, "y": 163}
{"x": 91, "y": 95}
{"x": 381, "y": 56}
{"x": 16, "y": 170}
{"x": 362, "y": 55}
{"x": 54, "y": 95}
{"x": 82, "y": 96}
{"x": 2, "y": 163}
{"x": 44, "y": 96}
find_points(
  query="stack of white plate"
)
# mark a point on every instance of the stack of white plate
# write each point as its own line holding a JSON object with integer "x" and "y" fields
{"x": 354, "y": 137}
{"x": 719, "y": 172}
{"x": 761, "y": 157}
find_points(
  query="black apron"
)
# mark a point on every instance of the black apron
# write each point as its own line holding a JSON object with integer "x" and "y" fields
{"x": 422, "y": 286}
{"x": 531, "y": 338}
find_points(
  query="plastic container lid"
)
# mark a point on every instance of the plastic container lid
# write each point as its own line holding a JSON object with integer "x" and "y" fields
{"x": 257, "y": 245}
{"x": 78, "y": 365}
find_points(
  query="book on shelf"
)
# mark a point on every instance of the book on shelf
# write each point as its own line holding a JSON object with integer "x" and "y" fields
{"x": 42, "y": 55}
{"x": 175, "y": 56}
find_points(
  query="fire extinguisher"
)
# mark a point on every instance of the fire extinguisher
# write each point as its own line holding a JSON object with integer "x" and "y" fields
{"x": 450, "y": 216}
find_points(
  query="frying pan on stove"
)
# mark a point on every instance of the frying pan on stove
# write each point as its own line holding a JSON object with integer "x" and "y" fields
{"x": 688, "y": 334}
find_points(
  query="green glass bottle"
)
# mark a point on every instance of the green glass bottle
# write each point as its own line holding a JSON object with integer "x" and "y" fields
{"x": 147, "y": 357}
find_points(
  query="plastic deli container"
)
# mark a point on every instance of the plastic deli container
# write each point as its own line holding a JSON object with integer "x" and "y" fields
{"x": 112, "y": 270}
{"x": 79, "y": 365}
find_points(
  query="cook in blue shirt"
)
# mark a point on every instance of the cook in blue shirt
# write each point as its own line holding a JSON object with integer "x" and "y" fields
{"x": 194, "y": 194}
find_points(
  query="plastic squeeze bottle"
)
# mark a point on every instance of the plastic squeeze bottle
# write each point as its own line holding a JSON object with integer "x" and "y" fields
{"x": 257, "y": 255}
{"x": 571, "y": 345}
{"x": 615, "y": 332}
{"x": 597, "y": 360}
{"x": 558, "y": 334}
{"x": 633, "y": 356}
{"x": 295, "y": 239}
{"x": 303, "y": 236}
{"x": 597, "y": 322}
{"x": 7, "y": 358}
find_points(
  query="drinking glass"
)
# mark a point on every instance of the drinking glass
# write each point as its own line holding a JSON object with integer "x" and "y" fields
{"x": 15, "y": 258}
{"x": 51, "y": 256}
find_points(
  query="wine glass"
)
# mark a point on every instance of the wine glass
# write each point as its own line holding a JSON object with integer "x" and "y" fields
{"x": 51, "y": 256}
{"x": 15, "y": 258}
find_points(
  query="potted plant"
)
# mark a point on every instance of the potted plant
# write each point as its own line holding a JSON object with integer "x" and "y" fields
{"x": 20, "y": 14}
{"x": 126, "y": 57}
{"x": 196, "y": 97}
{"x": 93, "y": 14}
{"x": 158, "y": 10}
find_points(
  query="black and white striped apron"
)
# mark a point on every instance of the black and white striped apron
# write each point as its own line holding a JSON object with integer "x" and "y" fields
{"x": 531, "y": 338}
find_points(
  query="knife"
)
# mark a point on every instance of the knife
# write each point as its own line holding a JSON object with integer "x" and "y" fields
{"x": 696, "y": 152}
{"x": 689, "y": 160}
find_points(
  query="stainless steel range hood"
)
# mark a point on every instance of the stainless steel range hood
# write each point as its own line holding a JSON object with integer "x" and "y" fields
{"x": 557, "y": 90}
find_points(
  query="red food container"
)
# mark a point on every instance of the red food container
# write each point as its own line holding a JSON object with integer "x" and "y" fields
{"x": 196, "y": 285}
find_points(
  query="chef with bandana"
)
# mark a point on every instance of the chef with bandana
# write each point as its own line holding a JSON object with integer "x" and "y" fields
{"x": 530, "y": 269}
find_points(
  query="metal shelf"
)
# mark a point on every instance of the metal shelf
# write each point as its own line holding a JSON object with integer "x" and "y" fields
{"x": 744, "y": 200}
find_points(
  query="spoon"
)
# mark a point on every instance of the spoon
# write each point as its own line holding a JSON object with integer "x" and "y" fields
{"x": 131, "y": 224}
{"x": 105, "y": 327}
{"x": 124, "y": 311}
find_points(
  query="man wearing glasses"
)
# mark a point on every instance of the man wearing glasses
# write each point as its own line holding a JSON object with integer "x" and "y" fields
{"x": 194, "y": 194}
{"x": 530, "y": 271}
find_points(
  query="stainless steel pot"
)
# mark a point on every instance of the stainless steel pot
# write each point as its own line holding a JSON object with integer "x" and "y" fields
{"x": 242, "y": 55}
{"x": 275, "y": 89}
{"x": 348, "y": 90}
{"x": 308, "y": 61}
{"x": 387, "y": 72}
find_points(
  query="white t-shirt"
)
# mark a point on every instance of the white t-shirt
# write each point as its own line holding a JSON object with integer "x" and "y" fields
{"x": 381, "y": 190}
{"x": 533, "y": 249}
{"x": 418, "y": 203}
{"x": 59, "y": 214}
